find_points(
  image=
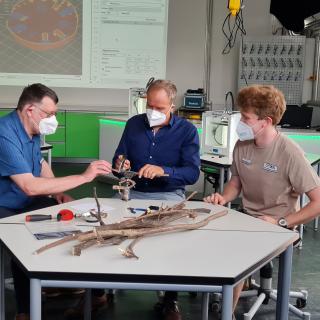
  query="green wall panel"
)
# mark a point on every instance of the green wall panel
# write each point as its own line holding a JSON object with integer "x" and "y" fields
{"x": 82, "y": 135}
{"x": 58, "y": 136}
{"x": 61, "y": 117}
{"x": 58, "y": 150}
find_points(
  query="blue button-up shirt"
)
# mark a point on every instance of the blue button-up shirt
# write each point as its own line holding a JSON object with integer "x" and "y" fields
{"x": 174, "y": 147}
{"x": 18, "y": 154}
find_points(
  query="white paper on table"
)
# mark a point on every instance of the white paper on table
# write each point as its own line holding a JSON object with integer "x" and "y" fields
{"x": 87, "y": 206}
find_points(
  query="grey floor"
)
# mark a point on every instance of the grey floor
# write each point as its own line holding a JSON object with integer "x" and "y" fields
{"x": 139, "y": 305}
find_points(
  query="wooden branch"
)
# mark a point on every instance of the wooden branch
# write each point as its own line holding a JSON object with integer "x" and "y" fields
{"x": 98, "y": 214}
{"x": 51, "y": 245}
{"x": 181, "y": 204}
{"x": 134, "y": 233}
{"x": 132, "y": 223}
{"x": 128, "y": 252}
{"x": 77, "y": 249}
{"x": 157, "y": 222}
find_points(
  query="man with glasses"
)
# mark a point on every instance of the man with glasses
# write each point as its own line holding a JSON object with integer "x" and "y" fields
{"x": 26, "y": 179}
{"x": 160, "y": 143}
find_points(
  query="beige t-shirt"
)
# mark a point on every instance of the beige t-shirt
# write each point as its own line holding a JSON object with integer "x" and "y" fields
{"x": 272, "y": 176}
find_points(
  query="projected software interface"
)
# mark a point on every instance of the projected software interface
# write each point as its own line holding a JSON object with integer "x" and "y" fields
{"x": 79, "y": 43}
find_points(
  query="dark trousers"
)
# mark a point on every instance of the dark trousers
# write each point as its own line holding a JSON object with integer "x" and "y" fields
{"x": 170, "y": 296}
{"x": 21, "y": 281}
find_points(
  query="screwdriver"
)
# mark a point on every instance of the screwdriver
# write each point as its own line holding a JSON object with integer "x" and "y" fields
{"x": 38, "y": 217}
{"x": 63, "y": 215}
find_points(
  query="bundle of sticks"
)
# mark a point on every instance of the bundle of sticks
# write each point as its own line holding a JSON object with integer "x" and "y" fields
{"x": 160, "y": 221}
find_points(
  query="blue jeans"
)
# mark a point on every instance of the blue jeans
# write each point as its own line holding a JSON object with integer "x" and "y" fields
{"x": 176, "y": 195}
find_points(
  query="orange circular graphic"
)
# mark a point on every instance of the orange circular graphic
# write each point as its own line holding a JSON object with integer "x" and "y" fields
{"x": 43, "y": 24}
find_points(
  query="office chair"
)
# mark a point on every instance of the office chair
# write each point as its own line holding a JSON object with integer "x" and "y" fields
{"x": 264, "y": 292}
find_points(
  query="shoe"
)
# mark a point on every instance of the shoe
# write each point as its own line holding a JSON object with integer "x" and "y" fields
{"x": 50, "y": 292}
{"x": 171, "y": 311}
{"x": 78, "y": 310}
{"x": 22, "y": 316}
{"x": 297, "y": 243}
{"x": 71, "y": 291}
{"x": 55, "y": 292}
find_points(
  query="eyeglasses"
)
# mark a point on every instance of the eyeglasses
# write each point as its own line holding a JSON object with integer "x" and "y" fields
{"x": 48, "y": 114}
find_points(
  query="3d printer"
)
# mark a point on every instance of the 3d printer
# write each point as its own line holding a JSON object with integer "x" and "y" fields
{"x": 137, "y": 101}
{"x": 219, "y": 132}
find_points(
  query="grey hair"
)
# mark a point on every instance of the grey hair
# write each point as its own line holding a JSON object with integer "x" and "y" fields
{"x": 168, "y": 86}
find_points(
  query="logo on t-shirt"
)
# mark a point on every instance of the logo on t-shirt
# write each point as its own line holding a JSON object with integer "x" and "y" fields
{"x": 246, "y": 161}
{"x": 270, "y": 167}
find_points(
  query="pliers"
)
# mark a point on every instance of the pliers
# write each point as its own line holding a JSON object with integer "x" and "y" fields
{"x": 148, "y": 210}
{"x": 135, "y": 210}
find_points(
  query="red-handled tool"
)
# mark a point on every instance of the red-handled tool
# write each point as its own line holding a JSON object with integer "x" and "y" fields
{"x": 65, "y": 214}
{"x": 38, "y": 217}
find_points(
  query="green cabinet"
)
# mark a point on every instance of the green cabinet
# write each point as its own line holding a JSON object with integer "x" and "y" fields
{"x": 77, "y": 135}
{"x": 3, "y": 112}
{"x": 82, "y": 135}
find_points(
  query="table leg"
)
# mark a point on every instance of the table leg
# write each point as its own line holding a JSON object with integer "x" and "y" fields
{"x": 227, "y": 301}
{"x": 284, "y": 281}
{"x": 228, "y": 179}
{"x": 49, "y": 157}
{"x": 204, "y": 184}
{"x": 205, "y": 306}
{"x": 316, "y": 224}
{"x": 302, "y": 201}
{"x": 35, "y": 299}
{"x": 87, "y": 305}
{"x": 2, "y": 290}
{"x": 316, "y": 220}
{"x": 221, "y": 180}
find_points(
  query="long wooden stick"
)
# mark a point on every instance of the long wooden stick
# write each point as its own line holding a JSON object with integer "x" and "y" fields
{"x": 51, "y": 245}
{"x": 134, "y": 233}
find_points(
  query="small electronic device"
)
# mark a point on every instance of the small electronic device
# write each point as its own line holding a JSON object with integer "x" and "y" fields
{"x": 194, "y": 99}
{"x": 219, "y": 132}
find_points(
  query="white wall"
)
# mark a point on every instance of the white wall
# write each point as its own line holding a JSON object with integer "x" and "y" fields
{"x": 185, "y": 56}
{"x": 224, "y": 69}
{"x": 186, "y": 42}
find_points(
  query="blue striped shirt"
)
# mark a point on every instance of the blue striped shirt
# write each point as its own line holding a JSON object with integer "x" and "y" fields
{"x": 174, "y": 147}
{"x": 18, "y": 154}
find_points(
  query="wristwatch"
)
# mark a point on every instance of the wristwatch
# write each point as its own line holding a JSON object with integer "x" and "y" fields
{"x": 282, "y": 222}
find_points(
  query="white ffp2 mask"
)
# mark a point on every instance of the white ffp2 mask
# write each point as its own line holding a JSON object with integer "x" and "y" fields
{"x": 155, "y": 118}
{"x": 244, "y": 131}
{"x": 48, "y": 125}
